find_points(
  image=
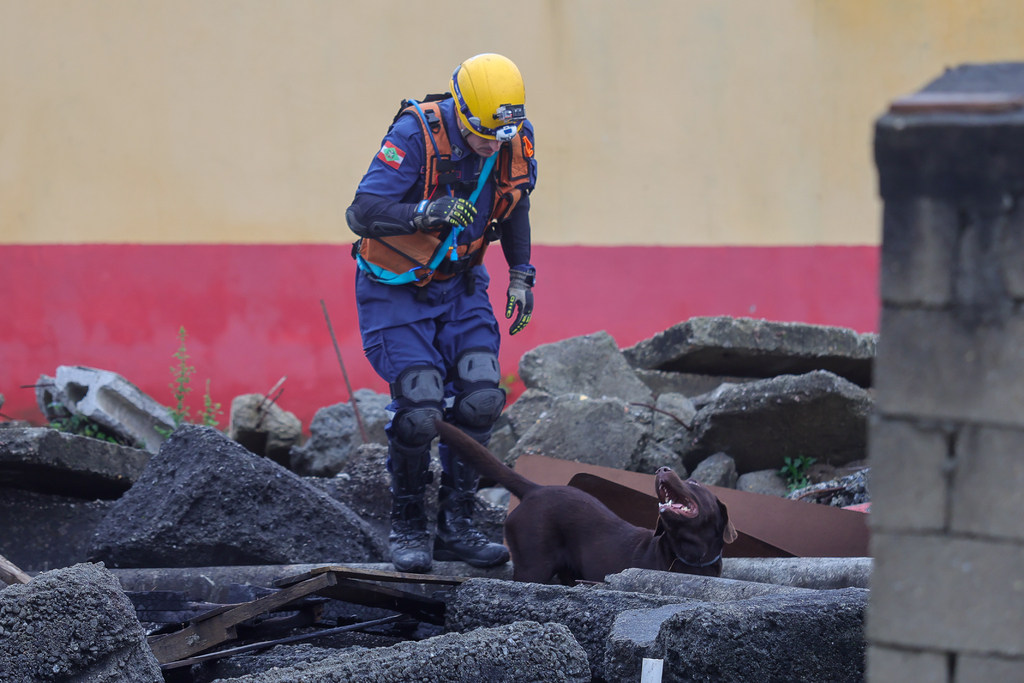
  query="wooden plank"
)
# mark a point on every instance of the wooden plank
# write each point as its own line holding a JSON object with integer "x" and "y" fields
{"x": 372, "y": 575}
{"x": 373, "y": 595}
{"x": 212, "y": 630}
{"x": 11, "y": 574}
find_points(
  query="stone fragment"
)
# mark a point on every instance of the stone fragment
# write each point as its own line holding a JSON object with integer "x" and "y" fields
{"x": 590, "y": 365}
{"x": 589, "y": 613}
{"x": 602, "y": 432}
{"x": 48, "y": 461}
{"x": 802, "y": 572}
{"x": 809, "y": 636}
{"x": 73, "y": 624}
{"x": 264, "y": 427}
{"x": 108, "y": 399}
{"x": 705, "y": 588}
{"x": 685, "y": 383}
{"x": 204, "y": 500}
{"x": 818, "y": 415}
{"x": 334, "y": 434}
{"x": 746, "y": 347}
{"x": 716, "y": 470}
{"x": 765, "y": 482}
{"x": 522, "y": 652}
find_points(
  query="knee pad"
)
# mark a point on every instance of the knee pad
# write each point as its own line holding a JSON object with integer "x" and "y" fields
{"x": 419, "y": 392}
{"x": 480, "y": 400}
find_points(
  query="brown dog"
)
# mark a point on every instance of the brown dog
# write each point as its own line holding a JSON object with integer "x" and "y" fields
{"x": 563, "y": 533}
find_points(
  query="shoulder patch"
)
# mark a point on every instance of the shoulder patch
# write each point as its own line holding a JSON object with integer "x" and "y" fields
{"x": 391, "y": 155}
{"x": 527, "y": 147}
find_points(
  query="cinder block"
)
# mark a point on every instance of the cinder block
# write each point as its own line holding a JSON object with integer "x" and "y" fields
{"x": 988, "y": 487}
{"x": 919, "y": 236}
{"x": 889, "y": 665}
{"x": 931, "y": 364}
{"x": 941, "y": 593}
{"x": 978, "y": 669}
{"x": 908, "y": 476}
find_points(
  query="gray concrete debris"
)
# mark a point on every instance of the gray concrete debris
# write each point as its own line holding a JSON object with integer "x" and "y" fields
{"x": 802, "y": 572}
{"x": 48, "y": 461}
{"x": 813, "y": 637}
{"x": 716, "y": 470}
{"x": 849, "y": 490}
{"x": 531, "y": 406}
{"x": 765, "y": 482}
{"x": 671, "y": 413}
{"x": 523, "y": 652}
{"x": 685, "y": 383}
{"x": 212, "y": 584}
{"x": 655, "y": 456}
{"x": 108, "y": 399}
{"x": 588, "y": 612}
{"x": 604, "y": 432}
{"x": 745, "y": 347}
{"x": 334, "y": 434}
{"x": 263, "y": 427}
{"x": 590, "y": 365}
{"x": 705, "y": 588}
{"x": 818, "y": 415}
{"x": 279, "y": 656}
{"x": 206, "y": 501}
{"x": 73, "y": 624}
{"x": 43, "y": 532}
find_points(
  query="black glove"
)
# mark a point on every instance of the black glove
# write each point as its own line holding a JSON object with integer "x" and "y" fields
{"x": 520, "y": 296}
{"x": 446, "y": 210}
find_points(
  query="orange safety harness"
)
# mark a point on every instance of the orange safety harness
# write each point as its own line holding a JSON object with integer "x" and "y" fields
{"x": 414, "y": 258}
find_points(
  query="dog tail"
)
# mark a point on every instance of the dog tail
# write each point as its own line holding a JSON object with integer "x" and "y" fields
{"x": 483, "y": 460}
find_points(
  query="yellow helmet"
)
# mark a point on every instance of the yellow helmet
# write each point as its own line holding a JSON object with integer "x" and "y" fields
{"x": 489, "y": 96}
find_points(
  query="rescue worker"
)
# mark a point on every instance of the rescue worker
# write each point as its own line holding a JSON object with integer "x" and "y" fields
{"x": 454, "y": 172}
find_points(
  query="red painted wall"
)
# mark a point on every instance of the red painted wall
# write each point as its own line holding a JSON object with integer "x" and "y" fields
{"x": 253, "y": 315}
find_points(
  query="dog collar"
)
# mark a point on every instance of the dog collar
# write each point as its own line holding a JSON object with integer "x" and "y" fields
{"x": 691, "y": 564}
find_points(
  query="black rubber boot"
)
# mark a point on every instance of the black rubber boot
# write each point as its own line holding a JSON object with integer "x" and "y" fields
{"x": 457, "y": 538}
{"x": 409, "y": 539}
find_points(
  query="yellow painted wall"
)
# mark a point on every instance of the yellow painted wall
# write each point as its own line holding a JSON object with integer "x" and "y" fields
{"x": 680, "y": 122}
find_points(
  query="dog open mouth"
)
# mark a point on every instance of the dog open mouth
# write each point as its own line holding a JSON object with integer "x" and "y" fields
{"x": 675, "y": 502}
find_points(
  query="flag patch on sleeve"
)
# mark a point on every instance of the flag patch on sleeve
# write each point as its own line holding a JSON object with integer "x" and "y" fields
{"x": 391, "y": 155}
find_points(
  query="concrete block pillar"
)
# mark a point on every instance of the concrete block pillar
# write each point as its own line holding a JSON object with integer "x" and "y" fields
{"x": 946, "y": 444}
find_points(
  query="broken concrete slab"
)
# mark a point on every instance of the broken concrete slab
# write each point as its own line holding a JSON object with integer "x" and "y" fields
{"x": 818, "y": 415}
{"x": 108, "y": 399}
{"x": 716, "y": 470}
{"x": 48, "y": 461}
{"x": 802, "y": 572}
{"x": 605, "y": 432}
{"x": 204, "y": 500}
{"x": 590, "y": 365}
{"x": 815, "y": 636}
{"x": 517, "y": 419}
{"x": 588, "y": 612}
{"x": 746, "y": 347}
{"x": 264, "y": 427}
{"x": 765, "y": 482}
{"x": 73, "y": 624}
{"x": 515, "y": 653}
{"x": 705, "y": 588}
{"x": 334, "y": 434}
{"x": 685, "y": 383}
{"x": 43, "y": 532}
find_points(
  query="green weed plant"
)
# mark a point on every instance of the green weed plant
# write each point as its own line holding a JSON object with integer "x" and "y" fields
{"x": 794, "y": 471}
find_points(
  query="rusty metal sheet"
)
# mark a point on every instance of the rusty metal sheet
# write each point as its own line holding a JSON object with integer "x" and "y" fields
{"x": 768, "y": 526}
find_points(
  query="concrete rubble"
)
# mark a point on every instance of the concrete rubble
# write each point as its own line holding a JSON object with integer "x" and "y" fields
{"x": 73, "y": 624}
{"x": 108, "y": 399}
{"x": 756, "y": 348}
{"x": 206, "y": 500}
{"x": 204, "y": 514}
{"x": 263, "y": 427}
{"x": 52, "y": 462}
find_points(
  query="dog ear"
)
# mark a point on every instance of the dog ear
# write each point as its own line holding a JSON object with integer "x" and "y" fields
{"x": 729, "y": 535}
